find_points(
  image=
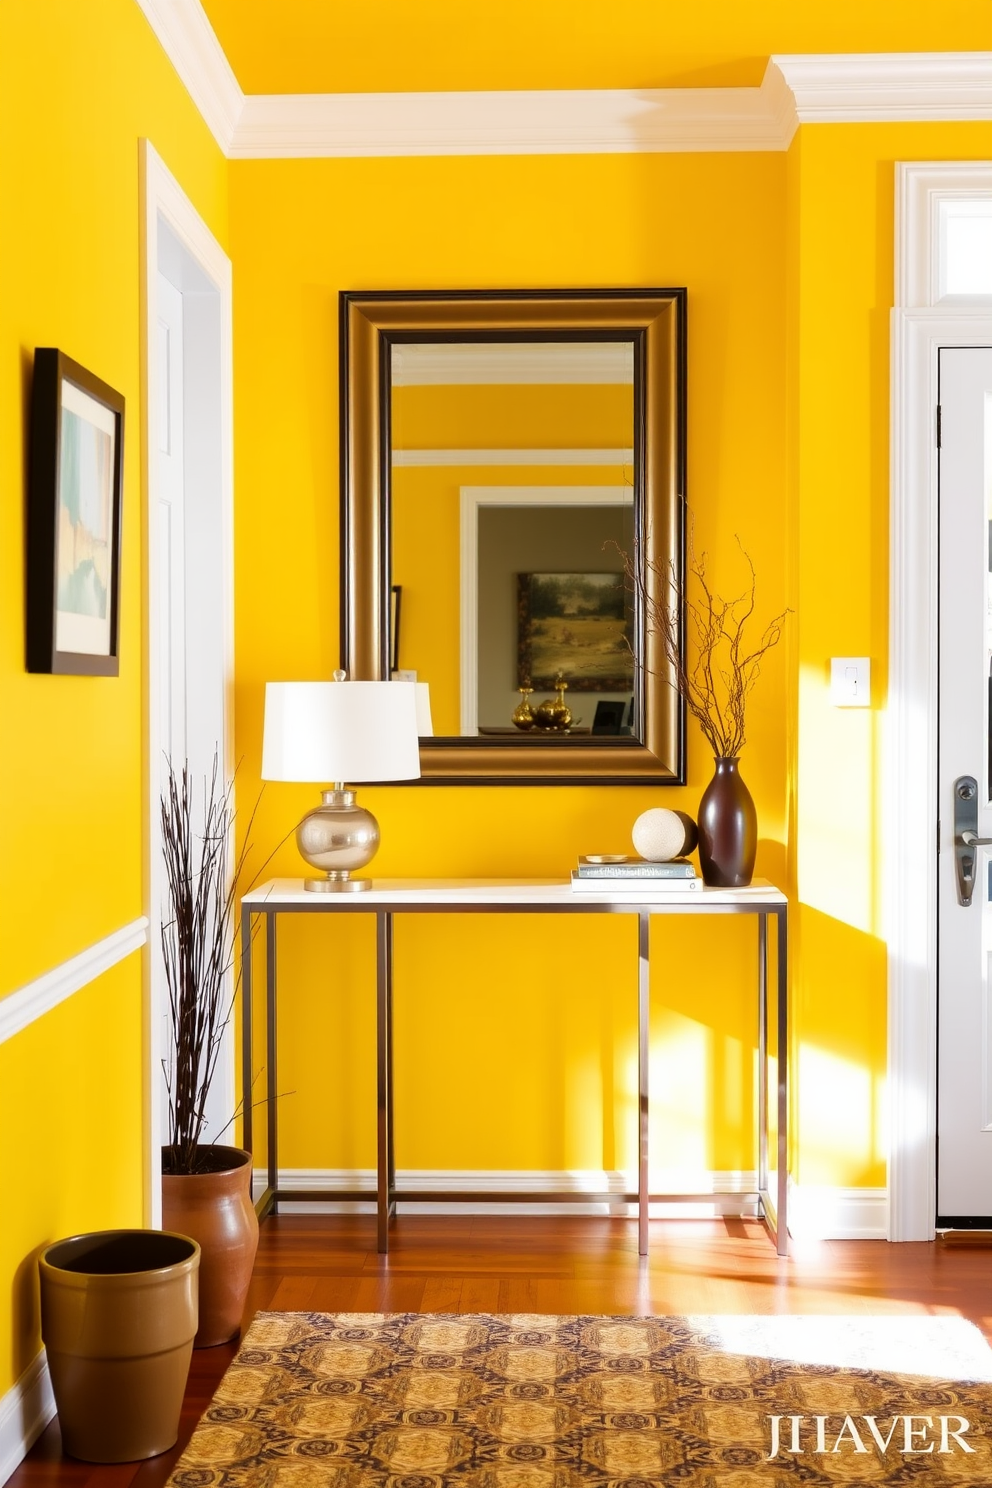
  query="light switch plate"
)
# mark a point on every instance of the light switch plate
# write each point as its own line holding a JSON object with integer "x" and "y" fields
{"x": 850, "y": 681}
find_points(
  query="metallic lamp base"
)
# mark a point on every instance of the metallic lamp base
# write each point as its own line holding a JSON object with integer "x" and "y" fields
{"x": 338, "y": 838}
{"x": 336, "y": 885}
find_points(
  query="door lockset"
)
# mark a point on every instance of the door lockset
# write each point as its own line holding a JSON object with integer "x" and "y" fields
{"x": 966, "y": 838}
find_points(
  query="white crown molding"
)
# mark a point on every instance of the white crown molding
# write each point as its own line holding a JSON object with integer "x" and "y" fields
{"x": 35, "y": 999}
{"x": 842, "y": 89}
{"x": 845, "y": 88}
{"x": 553, "y": 122}
{"x": 25, "y": 1411}
{"x": 470, "y": 363}
{"x": 888, "y": 87}
{"x": 191, "y": 45}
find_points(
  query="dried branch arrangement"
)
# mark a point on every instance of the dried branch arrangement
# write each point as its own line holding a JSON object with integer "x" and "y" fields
{"x": 198, "y": 935}
{"x": 717, "y": 669}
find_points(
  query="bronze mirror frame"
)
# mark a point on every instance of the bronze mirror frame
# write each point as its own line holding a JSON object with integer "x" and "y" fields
{"x": 655, "y": 320}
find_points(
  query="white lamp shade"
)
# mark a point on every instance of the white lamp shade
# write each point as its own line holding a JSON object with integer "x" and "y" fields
{"x": 425, "y": 724}
{"x": 345, "y": 732}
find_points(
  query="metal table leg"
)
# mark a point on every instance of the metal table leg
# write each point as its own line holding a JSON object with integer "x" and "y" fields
{"x": 643, "y": 1069}
{"x": 246, "y": 1031}
{"x": 385, "y": 1162}
{"x": 781, "y": 1211}
{"x": 763, "y": 1056}
{"x": 270, "y": 1053}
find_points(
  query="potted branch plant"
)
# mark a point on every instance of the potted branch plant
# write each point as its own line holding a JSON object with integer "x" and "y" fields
{"x": 715, "y": 672}
{"x": 206, "y": 1186}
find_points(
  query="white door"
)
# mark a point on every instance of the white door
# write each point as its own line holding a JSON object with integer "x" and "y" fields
{"x": 964, "y": 916}
{"x": 190, "y": 661}
{"x": 171, "y": 513}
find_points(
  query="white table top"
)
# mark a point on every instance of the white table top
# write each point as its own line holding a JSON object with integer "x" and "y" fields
{"x": 552, "y": 893}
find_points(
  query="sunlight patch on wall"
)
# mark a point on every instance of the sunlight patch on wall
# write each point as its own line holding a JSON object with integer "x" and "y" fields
{"x": 681, "y": 1094}
{"x": 837, "y": 806}
{"x": 838, "y": 1114}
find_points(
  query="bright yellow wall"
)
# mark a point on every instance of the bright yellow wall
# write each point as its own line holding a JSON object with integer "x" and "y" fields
{"x": 513, "y": 416}
{"x": 841, "y": 213}
{"x": 70, "y": 1104}
{"x": 508, "y": 1027}
{"x": 79, "y": 86}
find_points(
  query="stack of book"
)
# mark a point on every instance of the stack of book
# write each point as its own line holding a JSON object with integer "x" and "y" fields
{"x": 635, "y": 876}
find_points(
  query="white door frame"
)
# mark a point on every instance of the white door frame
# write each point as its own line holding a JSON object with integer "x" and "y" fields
{"x": 165, "y": 204}
{"x": 925, "y": 318}
{"x": 470, "y": 499}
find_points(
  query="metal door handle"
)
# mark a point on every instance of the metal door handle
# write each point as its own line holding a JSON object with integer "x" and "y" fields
{"x": 966, "y": 837}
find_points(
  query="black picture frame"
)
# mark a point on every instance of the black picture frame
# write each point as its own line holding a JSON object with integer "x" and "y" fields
{"x": 73, "y": 520}
{"x": 608, "y": 718}
{"x": 395, "y": 600}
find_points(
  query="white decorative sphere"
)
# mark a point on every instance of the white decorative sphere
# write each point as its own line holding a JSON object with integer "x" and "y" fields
{"x": 660, "y": 835}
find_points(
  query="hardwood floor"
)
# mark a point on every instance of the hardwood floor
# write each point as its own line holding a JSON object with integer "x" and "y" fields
{"x": 318, "y": 1263}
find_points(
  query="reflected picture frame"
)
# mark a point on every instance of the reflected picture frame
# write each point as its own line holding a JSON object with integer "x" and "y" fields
{"x": 73, "y": 520}
{"x": 395, "y": 601}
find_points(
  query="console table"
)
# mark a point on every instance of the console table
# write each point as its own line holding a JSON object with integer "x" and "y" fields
{"x": 391, "y": 896}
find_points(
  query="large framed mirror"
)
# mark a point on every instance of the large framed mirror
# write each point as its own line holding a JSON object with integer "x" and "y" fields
{"x": 500, "y": 453}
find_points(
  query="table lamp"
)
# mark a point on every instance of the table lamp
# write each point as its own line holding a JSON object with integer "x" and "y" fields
{"x": 341, "y": 732}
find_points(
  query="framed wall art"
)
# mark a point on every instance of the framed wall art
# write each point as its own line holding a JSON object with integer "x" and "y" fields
{"x": 74, "y": 519}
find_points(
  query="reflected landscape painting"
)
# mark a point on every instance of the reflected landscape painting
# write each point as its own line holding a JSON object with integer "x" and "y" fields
{"x": 578, "y": 624}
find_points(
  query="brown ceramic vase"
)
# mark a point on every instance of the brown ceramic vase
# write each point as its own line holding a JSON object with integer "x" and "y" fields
{"x": 728, "y": 829}
{"x": 215, "y": 1207}
{"x": 118, "y": 1315}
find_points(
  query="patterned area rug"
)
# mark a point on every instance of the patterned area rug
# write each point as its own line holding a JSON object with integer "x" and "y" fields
{"x": 525, "y": 1401}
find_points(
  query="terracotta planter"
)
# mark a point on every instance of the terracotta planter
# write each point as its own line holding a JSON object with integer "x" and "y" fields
{"x": 728, "y": 829}
{"x": 118, "y": 1315}
{"x": 215, "y": 1207}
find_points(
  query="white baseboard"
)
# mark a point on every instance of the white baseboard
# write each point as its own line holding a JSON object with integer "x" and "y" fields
{"x": 821, "y": 1212}
{"x": 815, "y": 1212}
{"x": 718, "y": 1193}
{"x": 25, "y": 1411}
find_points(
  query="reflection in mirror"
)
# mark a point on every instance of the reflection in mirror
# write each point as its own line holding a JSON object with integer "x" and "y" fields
{"x": 512, "y": 498}
{"x": 500, "y": 452}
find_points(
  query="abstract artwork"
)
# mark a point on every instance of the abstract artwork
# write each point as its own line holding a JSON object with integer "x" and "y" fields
{"x": 73, "y": 519}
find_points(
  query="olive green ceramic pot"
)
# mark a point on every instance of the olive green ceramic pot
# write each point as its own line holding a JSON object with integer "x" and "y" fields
{"x": 118, "y": 1317}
